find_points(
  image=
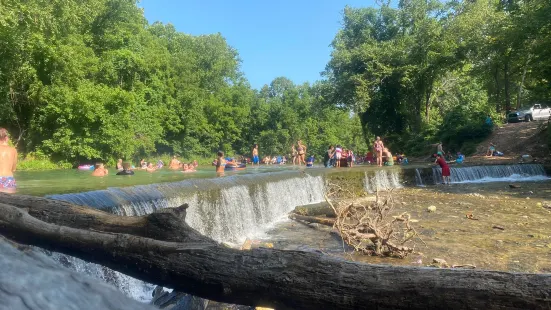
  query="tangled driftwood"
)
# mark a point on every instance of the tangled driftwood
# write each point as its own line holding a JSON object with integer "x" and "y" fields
{"x": 371, "y": 229}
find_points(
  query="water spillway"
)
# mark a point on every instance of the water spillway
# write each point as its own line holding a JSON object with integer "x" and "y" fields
{"x": 483, "y": 174}
{"x": 233, "y": 208}
{"x": 224, "y": 209}
{"x": 382, "y": 180}
{"x": 228, "y": 209}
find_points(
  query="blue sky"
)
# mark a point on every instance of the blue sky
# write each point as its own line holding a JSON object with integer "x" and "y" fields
{"x": 273, "y": 38}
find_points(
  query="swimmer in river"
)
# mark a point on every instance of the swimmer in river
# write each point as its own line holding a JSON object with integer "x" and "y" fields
{"x": 119, "y": 165}
{"x": 8, "y": 163}
{"x": 174, "y": 163}
{"x": 150, "y": 168}
{"x": 126, "y": 170}
{"x": 100, "y": 170}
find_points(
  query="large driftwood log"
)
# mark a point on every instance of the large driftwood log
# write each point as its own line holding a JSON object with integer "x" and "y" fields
{"x": 275, "y": 278}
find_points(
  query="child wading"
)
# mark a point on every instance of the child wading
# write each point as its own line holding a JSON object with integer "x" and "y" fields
{"x": 446, "y": 179}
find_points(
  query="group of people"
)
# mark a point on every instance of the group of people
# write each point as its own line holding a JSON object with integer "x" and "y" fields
{"x": 383, "y": 156}
{"x": 336, "y": 155}
{"x": 175, "y": 164}
{"x": 125, "y": 168}
{"x": 298, "y": 156}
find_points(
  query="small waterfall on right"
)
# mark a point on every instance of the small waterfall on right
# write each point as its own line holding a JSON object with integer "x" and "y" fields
{"x": 382, "y": 180}
{"x": 484, "y": 174}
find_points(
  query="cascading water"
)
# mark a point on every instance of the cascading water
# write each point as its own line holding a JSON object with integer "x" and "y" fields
{"x": 483, "y": 174}
{"x": 382, "y": 180}
{"x": 225, "y": 209}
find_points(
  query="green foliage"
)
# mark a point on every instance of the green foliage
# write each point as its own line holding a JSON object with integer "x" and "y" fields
{"x": 89, "y": 81}
{"x": 423, "y": 71}
{"x": 94, "y": 81}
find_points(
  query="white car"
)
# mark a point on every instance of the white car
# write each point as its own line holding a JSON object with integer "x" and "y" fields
{"x": 535, "y": 113}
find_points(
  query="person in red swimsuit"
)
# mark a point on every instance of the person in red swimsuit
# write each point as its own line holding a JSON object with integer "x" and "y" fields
{"x": 445, "y": 168}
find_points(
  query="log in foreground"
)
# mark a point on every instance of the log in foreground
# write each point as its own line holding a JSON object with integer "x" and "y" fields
{"x": 276, "y": 278}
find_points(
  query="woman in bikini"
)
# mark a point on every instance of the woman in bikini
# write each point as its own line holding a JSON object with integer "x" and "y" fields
{"x": 294, "y": 154}
{"x": 301, "y": 149}
{"x": 220, "y": 164}
{"x": 379, "y": 147}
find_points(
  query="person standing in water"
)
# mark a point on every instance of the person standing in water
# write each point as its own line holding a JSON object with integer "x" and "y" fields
{"x": 446, "y": 175}
{"x": 8, "y": 163}
{"x": 220, "y": 163}
{"x": 294, "y": 154}
{"x": 256, "y": 160}
{"x": 301, "y": 149}
{"x": 119, "y": 165}
{"x": 126, "y": 170}
{"x": 338, "y": 156}
{"x": 439, "y": 149}
{"x": 100, "y": 170}
{"x": 379, "y": 147}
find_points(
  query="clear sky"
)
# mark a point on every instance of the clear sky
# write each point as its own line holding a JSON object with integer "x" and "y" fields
{"x": 274, "y": 38}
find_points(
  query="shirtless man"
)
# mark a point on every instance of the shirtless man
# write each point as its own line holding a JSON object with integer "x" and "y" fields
{"x": 100, "y": 171}
{"x": 8, "y": 162}
{"x": 174, "y": 163}
{"x": 255, "y": 155}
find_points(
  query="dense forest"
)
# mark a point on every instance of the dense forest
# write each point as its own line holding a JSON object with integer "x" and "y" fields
{"x": 93, "y": 80}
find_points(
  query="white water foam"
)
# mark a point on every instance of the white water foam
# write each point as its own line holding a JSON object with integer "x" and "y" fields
{"x": 382, "y": 180}
{"x": 223, "y": 210}
{"x": 511, "y": 178}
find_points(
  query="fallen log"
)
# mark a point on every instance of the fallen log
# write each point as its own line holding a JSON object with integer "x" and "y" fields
{"x": 312, "y": 219}
{"x": 315, "y": 209}
{"x": 276, "y": 278}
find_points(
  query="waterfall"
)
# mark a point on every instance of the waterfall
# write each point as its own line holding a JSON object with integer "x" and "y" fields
{"x": 228, "y": 209}
{"x": 382, "y": 180}
{"x": 418, "y": 178}
{"x": 483, "y": 174}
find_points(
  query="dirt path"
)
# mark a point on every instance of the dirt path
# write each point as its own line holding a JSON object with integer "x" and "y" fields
{"x": 518, "y": 139}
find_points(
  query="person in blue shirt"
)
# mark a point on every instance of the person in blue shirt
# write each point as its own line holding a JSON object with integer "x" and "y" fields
{"x": 460, "y": 158}
{"x": 310, "y": 161}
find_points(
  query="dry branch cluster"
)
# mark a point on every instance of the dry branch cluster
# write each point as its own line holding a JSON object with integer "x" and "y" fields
{"x": 371, "y": 229}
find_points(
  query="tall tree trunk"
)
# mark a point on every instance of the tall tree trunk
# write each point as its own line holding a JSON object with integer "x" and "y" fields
{"x": 427, "y": 106}
{"x": 521, "y": 83}
{"x": 506, "y": 85}
{"x": 498, "y": 90}
{"x": 262, "y": 277}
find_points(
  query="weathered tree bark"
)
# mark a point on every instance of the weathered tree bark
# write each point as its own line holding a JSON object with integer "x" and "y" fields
{"x": 315, "y": 209}
{"x": 313, "y": 219}
{"x": 265, "y": 277}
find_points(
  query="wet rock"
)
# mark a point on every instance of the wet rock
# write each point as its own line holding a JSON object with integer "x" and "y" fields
{"x": 431, "y": 209}
{"x": 539, "y": 236}
{"x": 514, "y": 186}
{"x": 440, "y": 263}
{"x": 32, "y": 280}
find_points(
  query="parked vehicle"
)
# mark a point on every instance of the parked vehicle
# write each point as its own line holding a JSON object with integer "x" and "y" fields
{"x": 534, "y": 113}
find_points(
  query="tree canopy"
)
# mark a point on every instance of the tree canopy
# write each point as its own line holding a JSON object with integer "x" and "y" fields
{"x": 94, "y": 80}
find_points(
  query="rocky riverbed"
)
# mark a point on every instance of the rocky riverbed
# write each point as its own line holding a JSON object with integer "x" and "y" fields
{"x": 491, "y": 226}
